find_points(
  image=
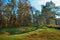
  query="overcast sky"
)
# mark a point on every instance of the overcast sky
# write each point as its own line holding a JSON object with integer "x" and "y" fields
{"x": 37, "y": 3}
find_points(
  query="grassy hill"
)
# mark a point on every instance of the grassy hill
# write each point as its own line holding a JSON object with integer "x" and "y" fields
{"x": 39, "y": 34}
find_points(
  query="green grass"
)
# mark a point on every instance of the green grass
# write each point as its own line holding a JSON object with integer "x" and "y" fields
{"x": 17, "y": 30}
{"x": 43, "y": 33}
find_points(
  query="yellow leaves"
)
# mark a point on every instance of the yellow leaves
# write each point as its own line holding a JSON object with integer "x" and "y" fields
{"x": 16, "y": 23}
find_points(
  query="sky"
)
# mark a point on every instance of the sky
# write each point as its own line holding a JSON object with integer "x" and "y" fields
{"x": 37, "y": 3}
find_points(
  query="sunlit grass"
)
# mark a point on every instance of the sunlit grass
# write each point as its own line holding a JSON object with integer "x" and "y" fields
{"x": 43, "y": 33}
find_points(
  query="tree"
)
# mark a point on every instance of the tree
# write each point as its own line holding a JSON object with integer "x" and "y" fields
{"x": 23, "y": 13}
{"x": 36, "y": 18}
{"x": 1, "y": 10}
{"x": 7, "y": 13}
{"x": 47, "y": 13}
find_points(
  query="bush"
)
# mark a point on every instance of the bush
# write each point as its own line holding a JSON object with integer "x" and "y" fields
{"x": 18, "y": 30}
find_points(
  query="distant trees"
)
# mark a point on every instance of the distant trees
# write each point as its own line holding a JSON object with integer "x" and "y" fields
{"x": 22, "y": 13}
{"x": 36, "y": 17}
{"x": 47, "y": 12}
{"x": 12, "y": 15}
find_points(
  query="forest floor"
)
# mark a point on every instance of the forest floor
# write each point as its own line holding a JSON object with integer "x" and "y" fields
{"x": 39, "y": 34}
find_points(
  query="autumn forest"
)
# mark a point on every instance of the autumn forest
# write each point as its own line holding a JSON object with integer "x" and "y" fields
{"x": 19, "y": 20}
